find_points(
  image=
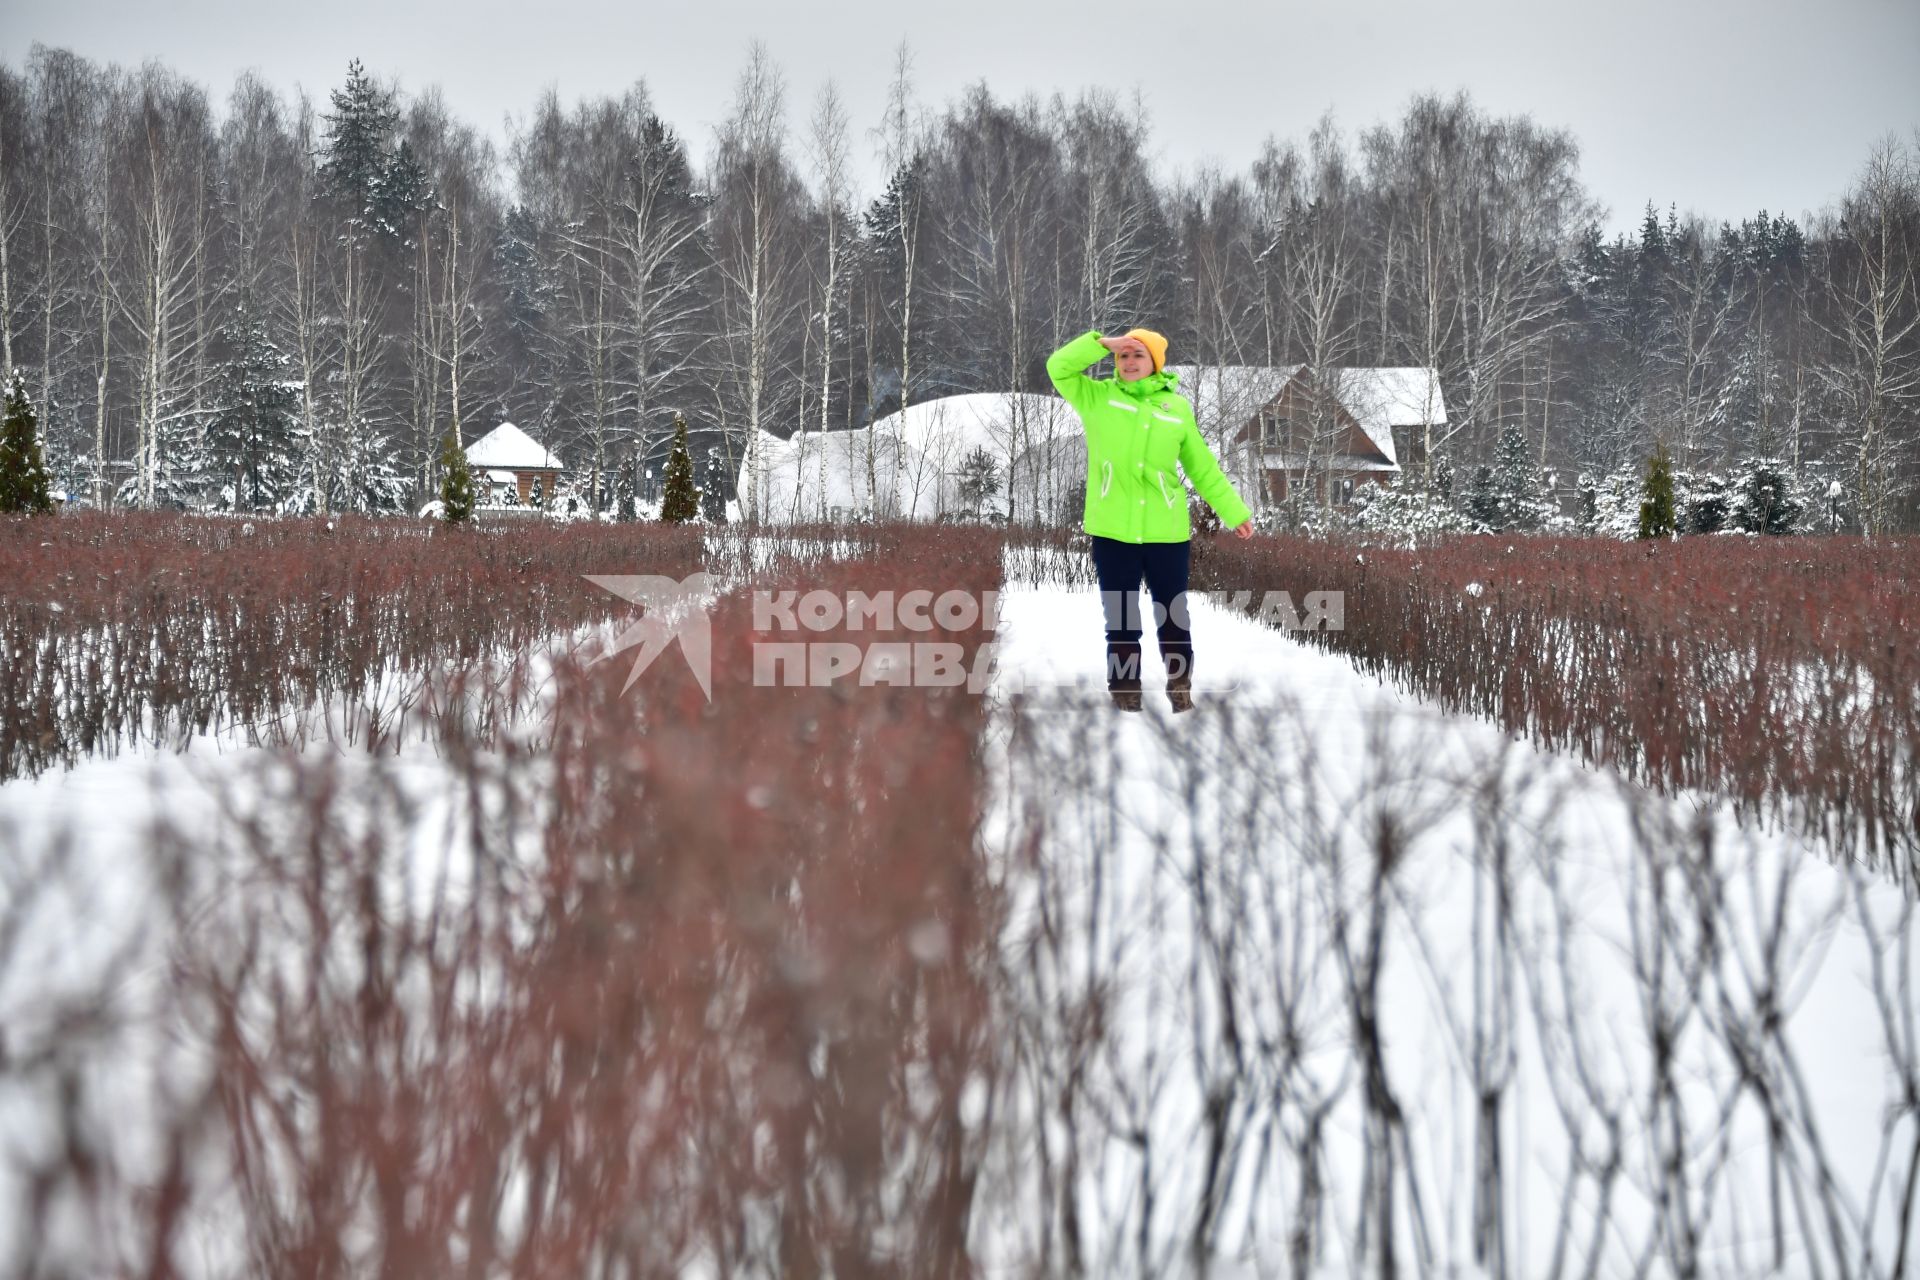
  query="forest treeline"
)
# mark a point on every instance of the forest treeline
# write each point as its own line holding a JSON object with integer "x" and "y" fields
{"x": 267, "y": 302}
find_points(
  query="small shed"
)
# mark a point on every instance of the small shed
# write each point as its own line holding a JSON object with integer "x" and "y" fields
{"x": 512, "y": 458}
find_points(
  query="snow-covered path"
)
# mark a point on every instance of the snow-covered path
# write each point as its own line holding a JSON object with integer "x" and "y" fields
{"x": 1311, "y": 971}
{"x": 1189, "y": 947}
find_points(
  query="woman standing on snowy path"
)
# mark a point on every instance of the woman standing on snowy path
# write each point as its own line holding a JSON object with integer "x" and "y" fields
{"x": 1137, "y": 428}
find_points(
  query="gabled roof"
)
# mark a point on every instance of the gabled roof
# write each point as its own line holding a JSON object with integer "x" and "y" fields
{"x": 508, "y": 447}
{"x": 1379, "y": 399}
{"x": 1230, "y": 393}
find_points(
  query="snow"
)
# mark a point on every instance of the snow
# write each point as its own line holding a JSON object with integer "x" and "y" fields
{"x": 918, "y": 453}
{"x": 1271, "y": 797}
{"x": 1271, "y": 792}
{"x": 508, "y": 447}
{"x": 1380, "y": 398}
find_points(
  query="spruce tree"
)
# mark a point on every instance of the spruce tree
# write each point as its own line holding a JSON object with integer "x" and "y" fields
{"x": 1656, "y": 495}
{"x": 1517, "y": 498}
{"x": 1763, "y": 500}
{"x": 713, "y": 494}
{"x": 681, "y": 501}
{"x": 1705, "y": 508}
{"x": 23, "y": 472}
{"x": 623, "y": 489}
{"x": 370, "y": 477}
{"x": 537, "y": 499}
{"x": 250, "y": 440}
{"x": 1483, "y": 499}
{"x": 381, "y": 183}
{"x": 456, "y": 481}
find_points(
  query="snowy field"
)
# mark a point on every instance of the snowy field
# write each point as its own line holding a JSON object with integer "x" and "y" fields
{"x": 1312, "y": 978}
{"x": 1280, "y": 1050}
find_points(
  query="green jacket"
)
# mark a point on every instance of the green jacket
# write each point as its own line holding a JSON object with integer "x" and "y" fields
{"x": 1135, "y": 433}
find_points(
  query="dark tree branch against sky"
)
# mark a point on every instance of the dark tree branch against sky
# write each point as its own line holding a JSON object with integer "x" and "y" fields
{"x": 1719, "y": 106}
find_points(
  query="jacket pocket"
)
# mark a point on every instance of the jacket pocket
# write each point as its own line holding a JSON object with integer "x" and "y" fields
{"x": 1161, "y": 476}
{"x": 1106, "y": 477}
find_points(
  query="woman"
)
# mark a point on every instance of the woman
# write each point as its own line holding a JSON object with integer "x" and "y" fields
{"x": 1137, "y": 428}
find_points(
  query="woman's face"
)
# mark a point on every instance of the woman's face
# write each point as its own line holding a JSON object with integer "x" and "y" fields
{"x": 1132, "y": 362}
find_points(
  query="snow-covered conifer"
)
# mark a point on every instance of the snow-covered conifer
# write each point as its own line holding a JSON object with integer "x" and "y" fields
{"x": 456, "y": 481}
{"x": 23, "y": 471}
{"x": 1656, "y": 495}
{"x": 681, "y": 501}
{"x": 250, "y": 449}
{"x": 1763, "y": 498}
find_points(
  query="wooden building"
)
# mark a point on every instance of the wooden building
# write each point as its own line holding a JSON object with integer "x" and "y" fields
{"x": 507, "y": 461}
{"x": 1276, "y": 430}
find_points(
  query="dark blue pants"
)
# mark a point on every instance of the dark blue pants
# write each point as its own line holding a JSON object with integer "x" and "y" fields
{"x": 1120, "y": 566}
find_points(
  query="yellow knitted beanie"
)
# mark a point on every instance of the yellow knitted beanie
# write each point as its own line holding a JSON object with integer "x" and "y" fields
{"x": 1156, "y": 345}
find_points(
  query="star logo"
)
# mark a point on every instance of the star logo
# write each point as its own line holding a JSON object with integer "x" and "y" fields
{"x": 675, "y": 610}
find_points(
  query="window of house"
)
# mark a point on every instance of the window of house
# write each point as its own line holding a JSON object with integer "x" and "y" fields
{"x": 1343, "y": 492}
{"x": 1274, "y": 428}
{"x": 1409, "y": 444}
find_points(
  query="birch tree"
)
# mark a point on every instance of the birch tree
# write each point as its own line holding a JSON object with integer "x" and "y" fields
{"x": 1875, "y": 329}
{"x": 165, "y": 139}
{"x": 829, "y": 144}
{"x": 758, "y": 203}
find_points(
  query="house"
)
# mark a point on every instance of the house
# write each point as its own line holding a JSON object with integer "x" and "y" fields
{"x": 1034, "y": 441}
{"x": 1276, "y": 430}
{"x": 509, "y": 461}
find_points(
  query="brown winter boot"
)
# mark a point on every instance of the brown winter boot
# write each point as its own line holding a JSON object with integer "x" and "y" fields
{"x": 1180, "y": 693}
{"x": 1123, "y": 674}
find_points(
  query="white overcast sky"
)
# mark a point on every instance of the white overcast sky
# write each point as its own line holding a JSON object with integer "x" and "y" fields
{"x": 1721, "y": 106}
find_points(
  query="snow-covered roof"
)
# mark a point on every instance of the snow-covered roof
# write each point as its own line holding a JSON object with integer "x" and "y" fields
{"x": 502, "y": 477}
{"x": 1379, "y": 398}
{"x": 929, "y": 441}
{"x": 508, "y": 446}
{"x": 1226, "y": 395}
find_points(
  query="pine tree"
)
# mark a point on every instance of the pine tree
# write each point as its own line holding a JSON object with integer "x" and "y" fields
{"x": 1656, "y": 501}
{"x": 249, "y": 445}
{"x": 681, "y": 501}
{"x": 23, "y": 471}
{"x": 979, "y": 479}
{"x": 537, "y": 498}
{"x": 456, "y": 481}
